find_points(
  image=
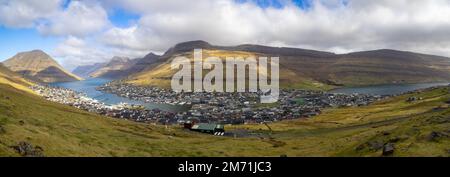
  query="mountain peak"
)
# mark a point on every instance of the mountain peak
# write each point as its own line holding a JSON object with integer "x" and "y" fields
{"x": 34, "y": 58}
{"x": 151, "y": 54}
{"x": 117, "y": 59}
{"x": 388, "y": 53}
{"x": 37, "y": 51}
{"x": 193, "y": 43}
{"x": 39, "y": 64}
{"x": 34, "y": 54}
{"x": 188, "y": 46}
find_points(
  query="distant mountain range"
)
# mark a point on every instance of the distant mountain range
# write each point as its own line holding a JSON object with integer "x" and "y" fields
{"x": 115, "y": 68}
{"x": 37, "y": 65}
{"x": 299, "y": 68}
{"x": 85, "y": 70}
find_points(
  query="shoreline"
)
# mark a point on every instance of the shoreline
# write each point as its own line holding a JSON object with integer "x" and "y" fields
{"x": 212, "y": 110}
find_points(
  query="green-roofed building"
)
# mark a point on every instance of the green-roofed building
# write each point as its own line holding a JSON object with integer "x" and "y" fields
{"x": 208, "y": 128}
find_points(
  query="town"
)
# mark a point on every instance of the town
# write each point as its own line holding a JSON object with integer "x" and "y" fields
{"x": 238, "y": 108}
{"x": 205, "y": 108}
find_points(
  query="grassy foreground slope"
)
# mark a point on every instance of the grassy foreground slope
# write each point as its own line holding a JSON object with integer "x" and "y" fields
{"x": 419, "y": 128}
{"x": 61, "y": 130}
{"x": 65, "y": 131}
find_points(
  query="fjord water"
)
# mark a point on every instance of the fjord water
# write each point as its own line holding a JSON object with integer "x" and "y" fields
{"x": 88, "y": 87}
{"x": 387, "y": 89}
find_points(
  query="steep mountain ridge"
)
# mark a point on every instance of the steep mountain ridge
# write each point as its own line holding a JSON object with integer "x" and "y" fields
{"x": 301, "y": 68}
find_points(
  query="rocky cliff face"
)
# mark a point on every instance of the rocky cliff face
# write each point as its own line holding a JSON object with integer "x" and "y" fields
{"x": 37, "y": 64}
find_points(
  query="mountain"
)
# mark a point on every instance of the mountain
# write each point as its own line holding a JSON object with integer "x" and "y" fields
{"x": 85, "y": 70}
{"x": 310, "y": 69}
{"x": 143, "y": 63}
{"x": 116, "y": 68}
{"x": 39, "y": 65}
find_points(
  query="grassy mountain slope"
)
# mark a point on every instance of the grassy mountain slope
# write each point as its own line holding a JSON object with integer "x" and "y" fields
{"x": 13, "y": 79}
{"x": 65, "y": 131}
{"x": 308, "y": 69}
{"x": 420, "y": 128}
{"x": 61, "y": 130}
{"x": 159, "y": 73}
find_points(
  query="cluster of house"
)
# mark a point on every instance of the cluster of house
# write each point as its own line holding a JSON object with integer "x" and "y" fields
{"x": 165, "y": 96}
{"x": 81, "y": 101}
{"x": 69, "y": 97}
{"x": 238, "y": 108}
{"x": 208, "y": 112}
{"x": 123, "y": 111}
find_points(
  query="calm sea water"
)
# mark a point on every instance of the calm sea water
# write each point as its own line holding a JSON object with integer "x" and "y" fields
{"x": 88, "y": 87}
{"x": 389, "y": 89}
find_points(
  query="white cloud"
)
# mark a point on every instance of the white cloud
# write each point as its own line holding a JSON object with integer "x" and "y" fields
{"x": 79, "y": 19}
{"x": 332, "y": 25}
{"x": 124, "y": 37}
{"x": 75, "y": 51}
{"x": 25, "y": 13}
{"x": 328, "y": 25}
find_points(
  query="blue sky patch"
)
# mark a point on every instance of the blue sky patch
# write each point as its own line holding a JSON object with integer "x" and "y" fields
{"x": 122, "y": 18}
{"x": 23, "y": 40}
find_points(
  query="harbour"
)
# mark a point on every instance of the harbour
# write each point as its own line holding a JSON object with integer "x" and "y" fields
{"x": 164, "y": 106}
{"x": 88, "y": 87}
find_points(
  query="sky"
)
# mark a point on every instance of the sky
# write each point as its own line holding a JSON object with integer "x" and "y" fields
{"x": 77, "y": 32}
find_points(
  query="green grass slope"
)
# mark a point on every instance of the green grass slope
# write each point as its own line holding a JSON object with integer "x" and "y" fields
{"x": 418, "y": 128}
{"x": 13, "y": 79}
{"x": 65, "y": 131}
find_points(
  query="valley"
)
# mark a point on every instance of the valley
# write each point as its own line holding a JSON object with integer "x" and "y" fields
{"x": 40, "y": 114}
